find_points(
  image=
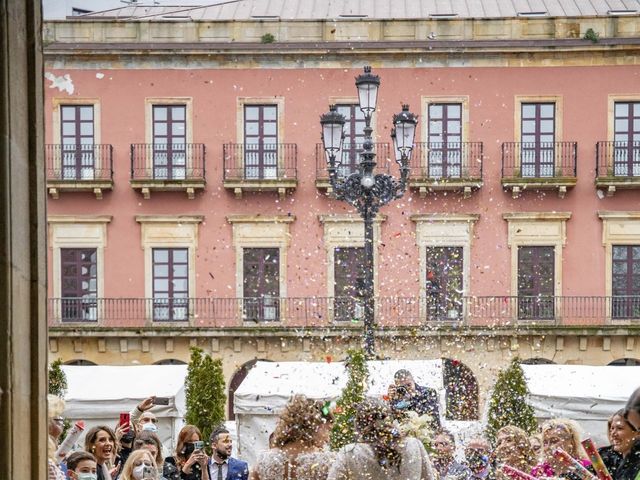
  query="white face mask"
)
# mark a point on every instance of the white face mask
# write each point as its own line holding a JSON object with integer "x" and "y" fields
{"x": 87, "y": 476}
{"x": 138, "y": 472}
{"x": 150, "y": 427}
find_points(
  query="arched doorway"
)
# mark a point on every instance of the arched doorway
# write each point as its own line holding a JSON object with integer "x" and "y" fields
{"x": 461, "y": 388}
{"x": 537, "y": 361}
{"x": 625, "y": 362}
{"x": 237, "y": 379}
{"x": 80, "y": 363}
{"x": 170, "y": 361}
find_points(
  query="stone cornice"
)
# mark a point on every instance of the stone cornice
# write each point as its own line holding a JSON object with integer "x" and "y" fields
{"x": 445, "y": 217}
{"x": 536, "y": 216}
{"x": 606, "y": 215}
{"x": 79, "y": 218}
{"x": 260, "y": 218}
{"x": 347, "y": 217}
{"x": 169, "y": 218}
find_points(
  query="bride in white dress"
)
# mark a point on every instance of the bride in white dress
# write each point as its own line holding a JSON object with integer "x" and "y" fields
{"x": 299, "y": 438}
{"x": 382, "y": 453}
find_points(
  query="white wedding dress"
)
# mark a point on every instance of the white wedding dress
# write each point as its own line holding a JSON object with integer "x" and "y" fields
{"x": 275, "y": 465}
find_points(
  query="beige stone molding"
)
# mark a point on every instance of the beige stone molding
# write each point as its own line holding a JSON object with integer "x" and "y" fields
{"x": 558, "y": 115}
{"x": 260, "y": 218}
{"x": 347, "y": 230}
{"x": 537, "y": 229}
{"x": 257, "y": 231}
{"x": 79, "y": 218}
{"x": 169, "y": 218}
{"x": 150, "y": 102}
{"x": 445, "y": 230}
{"x": 56, "y": 129}
{"x": 618, "y": 228}
{"x": 427, "y": 100}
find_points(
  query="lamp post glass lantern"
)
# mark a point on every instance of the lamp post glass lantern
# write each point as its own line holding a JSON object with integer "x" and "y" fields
{"x": 366, "y": 190}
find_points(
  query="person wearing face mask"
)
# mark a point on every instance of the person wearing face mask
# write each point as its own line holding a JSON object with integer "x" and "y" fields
{"x": 140, "y": 466}
{"x": 142, "y": 419}
{"x": 151, "y": 442}
{"x": 82, "y": 466}
{"x": 477, "y": 460}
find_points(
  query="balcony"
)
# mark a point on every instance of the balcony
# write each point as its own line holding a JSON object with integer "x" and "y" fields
{"x": 342, "y": 312}
{"x": 79, "y": 168}
{"x": 539, "y": 166}
{"x": 617, "y": 166}
{"x": 350, "y": 161}
{"x": 446, "y": 166}
{"x": 168, "y": 168}
{"x": 260, "y": 168}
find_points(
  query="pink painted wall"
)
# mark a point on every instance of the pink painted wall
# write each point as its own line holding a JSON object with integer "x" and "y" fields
{"x": 307, "y": 94}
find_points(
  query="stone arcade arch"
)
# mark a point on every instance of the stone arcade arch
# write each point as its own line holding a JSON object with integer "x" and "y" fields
{"x": 461, "y": 387}
{"x": 237, "y": 379}
{"x": 170, "y": 361}
{"x": 80, "y": 362}
{"x": 625, "y": 362}
{"x": 537, "y": 361}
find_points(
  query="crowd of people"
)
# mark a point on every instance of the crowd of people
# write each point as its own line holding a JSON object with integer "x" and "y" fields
{"x": 298, "y": 448}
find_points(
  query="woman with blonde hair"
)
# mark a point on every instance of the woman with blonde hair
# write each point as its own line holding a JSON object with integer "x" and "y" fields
{"x": 140, "y": 465}
{"x": 56, "y": 423}
{"x": 513, "y": 448}
{"x": 382, "y": 452}
{"x": 560, "y": 433}
{"x": 298, "y": 441}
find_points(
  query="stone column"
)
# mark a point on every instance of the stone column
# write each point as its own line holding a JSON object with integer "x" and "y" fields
{"x": 23, "y": 334}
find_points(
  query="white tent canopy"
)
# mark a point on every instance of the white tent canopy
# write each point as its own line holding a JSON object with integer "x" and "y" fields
{"x": 270, "y": 385}
{"x": 98, "y": 394}
{"x": 584, "y": 393}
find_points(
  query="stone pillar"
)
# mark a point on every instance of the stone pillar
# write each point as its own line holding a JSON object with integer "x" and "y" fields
{"x": 23, "y": 367}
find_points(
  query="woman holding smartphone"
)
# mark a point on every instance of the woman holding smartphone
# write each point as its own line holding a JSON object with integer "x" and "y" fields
{"x": 190, "y": 461}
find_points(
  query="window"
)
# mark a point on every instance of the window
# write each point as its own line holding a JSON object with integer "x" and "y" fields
{"x": 445, "y": 140}
{"x": 537, "y": 137}
{"x": 626, "y": 154}
{"x": 444, "y": 283}
{"x": 625, "y": 277}
{"x": 77, "y": 139}
{"x": 261, "y": 283}
{"x": 170, "y": 284}
{"x": 78, "y": 284}
{"x": 536, "y": 282}
{"x": 348, "y": 283}
{"x": 261, "y": 141}
{"x": 353, "y": 137}
{"x": 169, "y": 142}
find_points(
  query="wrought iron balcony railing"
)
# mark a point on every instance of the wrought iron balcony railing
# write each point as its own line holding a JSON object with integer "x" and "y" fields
{"x": 542, "y": 160}
{"x": 258, "y": 162}
{"x": 81, "y": 163}
{"x": 438, "y": 161}
{"x": 620, "y": 160}
{"x": 168, "y": 162}
{"x": 351, "y": 159}
{"x": 324, "y": 311}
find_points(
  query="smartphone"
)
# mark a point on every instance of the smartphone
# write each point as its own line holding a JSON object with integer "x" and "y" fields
{"x": 161, "y": 401}
{"x": 125, "y": 420}
{"x": 148, "y": 472}
{"x": 198, "y": 445}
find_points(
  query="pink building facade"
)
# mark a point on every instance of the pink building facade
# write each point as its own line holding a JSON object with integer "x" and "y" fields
{"x": 189, "y": 202}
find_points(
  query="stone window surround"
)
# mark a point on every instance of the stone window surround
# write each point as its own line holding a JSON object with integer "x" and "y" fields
{"x": 445, "y": 230}
{"x": 537, "y": 229}
{"x": 168, "y": 231}
{"x": 56, "y": 126}
{"x": 558, "y": 114}
{"x": 611, "y": 101}
{"x": 425, "y": 100}
{"x": 618, "y": 228}
{"x": 260, "y": 231}
{"x": 347, "y": 230}
{"x": 77, "y": 231}
{"x": 278, "y": 101}
{"x": 149, "y": 103}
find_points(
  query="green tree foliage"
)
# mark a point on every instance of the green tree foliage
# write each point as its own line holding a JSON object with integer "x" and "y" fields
{"x": 353, "y": 393}
{"x": 205, "y": 392}
{"x": 507, "y": 405}
{"x": 57, "y": 379}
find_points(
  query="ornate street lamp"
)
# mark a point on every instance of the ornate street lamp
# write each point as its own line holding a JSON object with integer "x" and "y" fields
{"x": 364, "y": 189}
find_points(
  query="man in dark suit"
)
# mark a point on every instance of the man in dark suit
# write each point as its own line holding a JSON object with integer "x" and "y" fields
{"x": 222, "y": 466}
{"x": 405, "y": 395}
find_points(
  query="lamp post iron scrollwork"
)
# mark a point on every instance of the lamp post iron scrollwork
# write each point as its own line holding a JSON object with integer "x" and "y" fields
{"x": 365, "y": 190}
